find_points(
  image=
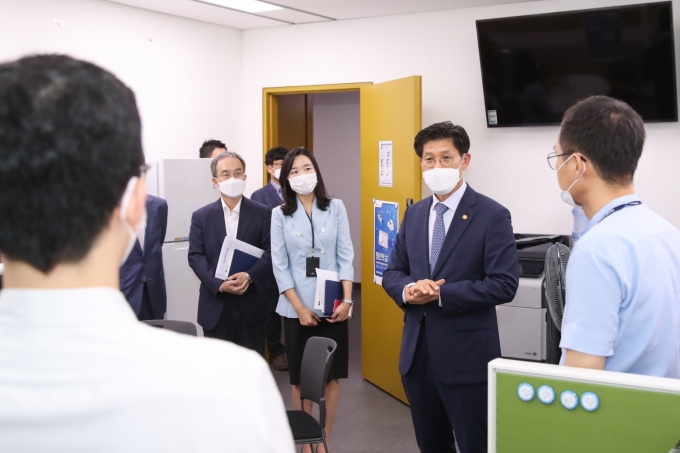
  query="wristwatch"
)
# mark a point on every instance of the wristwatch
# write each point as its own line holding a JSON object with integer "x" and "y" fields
{"x": 348, "y": 301}
{"x": 250, "y": 280}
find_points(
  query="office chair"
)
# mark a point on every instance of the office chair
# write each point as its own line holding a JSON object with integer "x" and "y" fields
{"x": 316, "y": 364}
{"x": 185, "y": 327}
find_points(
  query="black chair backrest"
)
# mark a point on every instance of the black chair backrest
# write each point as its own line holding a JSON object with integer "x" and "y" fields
{"x": 185, "y": 327}
{"x": 316, "y": 364}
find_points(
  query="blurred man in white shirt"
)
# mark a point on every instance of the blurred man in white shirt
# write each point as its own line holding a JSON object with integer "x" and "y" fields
{"x": 78, "y": 372}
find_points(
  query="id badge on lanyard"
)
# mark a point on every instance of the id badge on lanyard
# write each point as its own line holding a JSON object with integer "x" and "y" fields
{"x": 313, "y": 262}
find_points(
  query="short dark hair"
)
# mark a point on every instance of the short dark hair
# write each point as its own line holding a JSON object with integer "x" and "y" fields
{"x": 70, "y": 140}
{"x": 609, "y": 133}
{"x": 289, "y": 196}
{"x": 224, "y": 155}
{"x": 274, "y": 154}
{"x": 209, "y": 146}
{"x": 442, "y": 131}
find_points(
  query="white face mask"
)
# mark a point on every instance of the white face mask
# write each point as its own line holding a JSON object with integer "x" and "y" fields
{"x": 303, "y": 184}
{"x": 441, "y": 181}
{"x": 277, "y": 173}
{"x": 233, "y": 187}
{"x": 564, "y": 194}
{"x": 124, "y": 204}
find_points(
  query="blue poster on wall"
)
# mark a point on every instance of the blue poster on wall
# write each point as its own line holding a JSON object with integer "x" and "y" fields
{"x": 385, "y": 227}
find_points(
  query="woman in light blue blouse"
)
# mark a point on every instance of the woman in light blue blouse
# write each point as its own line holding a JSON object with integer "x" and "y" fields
{"x": 311, "y": 225}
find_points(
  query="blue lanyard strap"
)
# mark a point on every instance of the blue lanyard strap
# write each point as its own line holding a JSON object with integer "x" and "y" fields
{"x": 619, "y": 207}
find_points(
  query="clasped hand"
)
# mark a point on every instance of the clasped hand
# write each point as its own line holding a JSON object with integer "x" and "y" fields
{"x": 309, "y": 317}
{"x": 236, "y": 284}
{"x": 423, "y": 292}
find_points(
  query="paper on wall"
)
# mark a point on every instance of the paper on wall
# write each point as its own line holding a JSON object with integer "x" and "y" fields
{"x": 385, "y": 163}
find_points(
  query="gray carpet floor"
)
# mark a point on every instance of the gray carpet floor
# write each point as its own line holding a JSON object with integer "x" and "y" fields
{"x": 368, "y": 420}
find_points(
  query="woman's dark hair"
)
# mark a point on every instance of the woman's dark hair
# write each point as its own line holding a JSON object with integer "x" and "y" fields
{"x": 289, "y": 196}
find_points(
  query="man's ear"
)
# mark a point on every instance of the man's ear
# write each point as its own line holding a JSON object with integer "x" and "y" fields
{"x": 137, "y": 204}
{"x": 579, "y": 164}
{"x": 466, "y": 161}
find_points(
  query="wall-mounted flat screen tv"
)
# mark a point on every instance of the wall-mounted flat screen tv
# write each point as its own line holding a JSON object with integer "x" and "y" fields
{"x": 535, "y": 67}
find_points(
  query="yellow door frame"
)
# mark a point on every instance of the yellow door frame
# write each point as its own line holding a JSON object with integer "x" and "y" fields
{"x": 270, "y": 109}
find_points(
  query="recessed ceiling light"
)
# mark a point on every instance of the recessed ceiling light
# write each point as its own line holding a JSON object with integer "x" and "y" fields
{"x": 249, "y": 6}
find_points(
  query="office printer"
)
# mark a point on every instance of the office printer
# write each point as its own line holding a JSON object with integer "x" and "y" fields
{"x": 526, "y": 329}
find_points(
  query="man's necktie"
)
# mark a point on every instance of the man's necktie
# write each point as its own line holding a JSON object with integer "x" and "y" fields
{"x": 438, "y": 235}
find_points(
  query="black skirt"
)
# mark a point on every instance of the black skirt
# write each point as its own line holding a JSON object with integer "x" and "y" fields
{"x": 296, "y": 338}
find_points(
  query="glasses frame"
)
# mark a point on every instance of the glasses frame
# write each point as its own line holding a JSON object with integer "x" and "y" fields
{"x": 143, "y": 169}
{"x": 554, "y": 155}
{"x": 453, "y": 159}
{"x": 218, "y": 177}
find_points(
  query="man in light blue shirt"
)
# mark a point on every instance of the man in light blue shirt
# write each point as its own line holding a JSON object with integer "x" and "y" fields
{"x": 623, "y": 279}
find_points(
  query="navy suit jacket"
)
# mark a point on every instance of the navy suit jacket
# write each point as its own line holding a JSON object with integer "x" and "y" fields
{"x": 267, "y": 196}
{"x": 479, "y": 262}
{"x": 205, "y": 242}
{"x": 147, "y": 265}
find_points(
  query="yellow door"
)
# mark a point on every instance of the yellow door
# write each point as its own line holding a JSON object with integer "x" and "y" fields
{"x": 390, "y": 112}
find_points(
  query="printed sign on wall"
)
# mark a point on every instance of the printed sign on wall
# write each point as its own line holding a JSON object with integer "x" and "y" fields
{"x": 385, "y": 227}
{"x": 385, "y": 154}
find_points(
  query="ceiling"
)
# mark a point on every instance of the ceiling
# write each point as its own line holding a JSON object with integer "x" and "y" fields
{"x": 304, "y": 11}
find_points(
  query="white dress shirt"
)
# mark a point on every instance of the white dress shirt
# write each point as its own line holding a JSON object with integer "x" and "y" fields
{"x": 141, "y": 234}
{"x": 231, "y": 217}
{"x": 79, "y": 373}
{"x": 452, "y": 203}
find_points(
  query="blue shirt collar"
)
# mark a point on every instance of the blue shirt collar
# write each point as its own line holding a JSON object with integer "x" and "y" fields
{"x": 274, "y": 185}
{"x": 453, "y": 201}
{"x": 597, "y": 218}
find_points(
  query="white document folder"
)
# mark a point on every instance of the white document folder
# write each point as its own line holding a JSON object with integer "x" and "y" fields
{"x": 320, "y": 294}
{"x": 229, "y": 245}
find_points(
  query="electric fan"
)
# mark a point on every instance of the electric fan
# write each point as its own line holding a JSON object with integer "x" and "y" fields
{"x": 556, "y": 260}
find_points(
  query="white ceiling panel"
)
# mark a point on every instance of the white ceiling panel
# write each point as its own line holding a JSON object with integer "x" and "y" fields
{"x": 294, "y": 17}
{"x": 354, "y": 9}
{"x": 204, "y": 12}
{"x": 304, "y": 11}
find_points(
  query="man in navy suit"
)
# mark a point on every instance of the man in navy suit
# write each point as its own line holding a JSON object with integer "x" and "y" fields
{"x": 455, "y": 259}
{"x": 142, "y": 279}
{"x": 237, "y": 309}
{"x": 271, "y": 196}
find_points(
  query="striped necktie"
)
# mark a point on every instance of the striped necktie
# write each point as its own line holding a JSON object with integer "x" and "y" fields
{"x": 438, "y": 235}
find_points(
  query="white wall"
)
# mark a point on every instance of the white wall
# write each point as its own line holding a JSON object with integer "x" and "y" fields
{"x": 507, "y": 164}
{"x": 186, "y": 74}
{"x": 337, "y": 148}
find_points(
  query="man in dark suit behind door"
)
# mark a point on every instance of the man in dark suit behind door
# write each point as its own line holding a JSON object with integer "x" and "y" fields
{"x": 272, "y": 196}
{"x": 237, "y": 309}
{"x": 142, "y": 279}
{"x": 455, "y": 259}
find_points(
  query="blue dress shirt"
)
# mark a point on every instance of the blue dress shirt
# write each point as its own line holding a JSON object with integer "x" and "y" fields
{"x": 623, "y": 291}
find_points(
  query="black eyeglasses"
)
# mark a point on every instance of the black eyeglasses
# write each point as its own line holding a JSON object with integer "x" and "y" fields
{"x": 552, "y": 158}
{"x": 143, "y": 169}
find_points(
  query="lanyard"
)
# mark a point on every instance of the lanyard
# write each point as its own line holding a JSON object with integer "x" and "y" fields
{"x": 312, "y": 226}
{"x": 619, "y": 207}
